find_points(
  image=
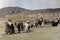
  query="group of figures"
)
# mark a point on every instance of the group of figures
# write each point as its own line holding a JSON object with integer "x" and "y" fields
{"x": 22, "y": 26}
{"x": 26, "y": 26}
{"x": 9, "y": 27}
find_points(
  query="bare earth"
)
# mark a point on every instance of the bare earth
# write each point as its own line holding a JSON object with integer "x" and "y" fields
{"x": 50, "y": 33}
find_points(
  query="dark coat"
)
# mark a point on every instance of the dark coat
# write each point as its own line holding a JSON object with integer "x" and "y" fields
{"x": 54, "y": 23}
{"x": 9, "y": 28}
{"x": 20, "y": 27}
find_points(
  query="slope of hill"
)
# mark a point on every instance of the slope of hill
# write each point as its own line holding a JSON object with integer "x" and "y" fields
{"x": 12, "y": 10}
{"x": 18, "y": 10}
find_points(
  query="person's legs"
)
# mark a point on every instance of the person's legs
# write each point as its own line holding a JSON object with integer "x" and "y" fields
{"x": 19, "y": 30}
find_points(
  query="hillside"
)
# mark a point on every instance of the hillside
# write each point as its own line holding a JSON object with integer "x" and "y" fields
{"x": 18, "y": 10}
{"x": 12, "y": 10}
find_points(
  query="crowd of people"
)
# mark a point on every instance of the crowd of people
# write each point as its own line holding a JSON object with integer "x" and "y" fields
{"x": 22, "y": 26}
{"x": 26, "y": 26}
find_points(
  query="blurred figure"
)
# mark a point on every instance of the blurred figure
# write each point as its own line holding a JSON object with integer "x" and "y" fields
{"x": 55, "y": 22}
{"x": 20, "y": 27}
{"x": 27, "y": 26}
{"x": 9, "y": 27}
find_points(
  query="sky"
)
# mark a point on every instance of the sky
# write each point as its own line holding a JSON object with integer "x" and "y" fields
{"x": 31, "y": 4}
